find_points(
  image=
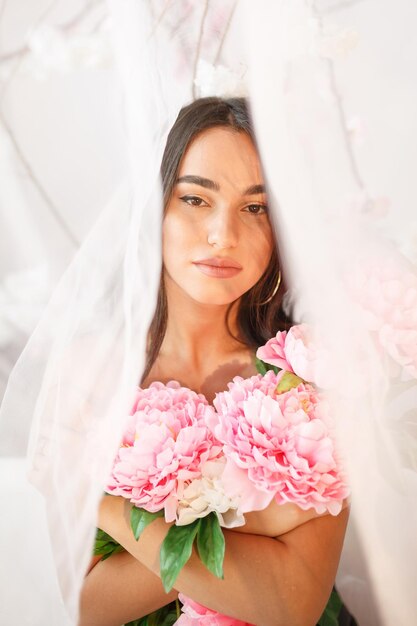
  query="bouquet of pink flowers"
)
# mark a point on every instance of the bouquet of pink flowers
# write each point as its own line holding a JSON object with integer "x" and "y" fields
{"x": 278, "y": 441}
{"x": 202, "y": 467}
{"x": 277, "y": 432}
{"x": 170, "y": 464}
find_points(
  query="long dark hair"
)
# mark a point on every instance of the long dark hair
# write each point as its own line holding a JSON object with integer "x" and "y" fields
{"x": 256, "y": 322}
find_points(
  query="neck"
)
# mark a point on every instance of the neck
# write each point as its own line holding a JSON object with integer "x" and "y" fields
{"x": 196, "y": 332}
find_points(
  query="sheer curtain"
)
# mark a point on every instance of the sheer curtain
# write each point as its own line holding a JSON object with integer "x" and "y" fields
{"x": 62, "y": 150}
{"x": 62, "y": 156}
{"x": 333, "y": 107}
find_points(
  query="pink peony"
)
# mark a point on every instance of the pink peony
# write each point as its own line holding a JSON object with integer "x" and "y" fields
{"x": 277, "y": 445}
{"x": 195, "y": 614}
{"x": 298, "y": 352}
{"x": 165, "y": 444}
{"x": 273, "y": 352}
{"x": 384, "y": 285}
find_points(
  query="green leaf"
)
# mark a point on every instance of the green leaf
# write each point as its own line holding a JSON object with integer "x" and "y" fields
{"x": 163, "y": 617}
{"x": 139, "y": 520}
{"x": 260, "y": 366}
{"x": 263, "y": 367}
{"x": 287, "y": 382}
{"x": 154, "y": 618}
{"x": 105, "y": 545}
{"x": 331, "y": 612}
{"x": 211, "y": 544}
{"x": 115, "y": 551}
{"x": 175, "y": 552}
{"x": 169, "y": 619}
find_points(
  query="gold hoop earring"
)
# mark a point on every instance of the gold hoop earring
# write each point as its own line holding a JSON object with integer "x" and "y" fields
{"x": 274, "y": 292}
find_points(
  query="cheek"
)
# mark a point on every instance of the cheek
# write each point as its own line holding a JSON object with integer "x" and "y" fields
{"x": 259, "y": 250}
{"x": 170, "y": 233}
{"x": 177, "y": 237}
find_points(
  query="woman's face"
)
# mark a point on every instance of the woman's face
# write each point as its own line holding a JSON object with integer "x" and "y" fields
{"x": 217, "y": 213}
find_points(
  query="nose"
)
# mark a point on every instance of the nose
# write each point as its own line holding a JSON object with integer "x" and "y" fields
{"x": 223, "y": 228}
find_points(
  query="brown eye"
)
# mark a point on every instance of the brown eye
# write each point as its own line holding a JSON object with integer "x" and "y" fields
{"x": 192, "y": 200}
{"x": 257, "y": 209}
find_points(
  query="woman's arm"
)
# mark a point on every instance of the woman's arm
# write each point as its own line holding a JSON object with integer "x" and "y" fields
{"x": 267, "y": 581}
{"x": 278, "y": 519}
{"x": 119, "y": 590}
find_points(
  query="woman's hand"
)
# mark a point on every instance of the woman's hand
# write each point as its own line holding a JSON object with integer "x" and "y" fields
{"x": 278, "y": 519}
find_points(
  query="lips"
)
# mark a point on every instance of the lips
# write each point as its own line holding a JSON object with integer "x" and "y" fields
{"x": 219, "y": 262}
{"x": 218, "y": 267}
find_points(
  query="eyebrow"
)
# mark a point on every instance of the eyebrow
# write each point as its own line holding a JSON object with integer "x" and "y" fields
{"x": 210, "y": 184}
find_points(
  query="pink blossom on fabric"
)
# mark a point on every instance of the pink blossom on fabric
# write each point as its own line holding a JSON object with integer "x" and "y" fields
{"x": 194, "y": 614}
{"x": 384, "y": 285}
{"x": 165, "y": 444}
{"x": 278, "y": 445}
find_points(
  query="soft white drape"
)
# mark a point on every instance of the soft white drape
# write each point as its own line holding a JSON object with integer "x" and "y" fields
{"x": 333, "y": 93}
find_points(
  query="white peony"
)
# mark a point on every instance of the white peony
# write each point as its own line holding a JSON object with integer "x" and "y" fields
{"x": 206, "y": 495}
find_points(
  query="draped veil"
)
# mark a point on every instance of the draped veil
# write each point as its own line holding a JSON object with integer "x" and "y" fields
{"x": 333, "y": 97}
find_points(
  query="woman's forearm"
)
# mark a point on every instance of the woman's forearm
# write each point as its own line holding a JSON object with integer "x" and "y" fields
{"x": 266, "y": 581}
{"x": 118, "y": 590}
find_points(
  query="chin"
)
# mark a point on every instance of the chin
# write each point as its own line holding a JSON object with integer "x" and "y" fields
{"x": 213, "y": 294}
{"x": 211, "y": 299}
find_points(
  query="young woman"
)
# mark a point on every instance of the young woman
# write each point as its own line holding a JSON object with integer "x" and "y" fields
{"x": 220, "y": 298}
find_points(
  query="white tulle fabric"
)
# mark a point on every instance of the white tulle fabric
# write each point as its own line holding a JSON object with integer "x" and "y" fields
{"x": 333, "y": 107}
